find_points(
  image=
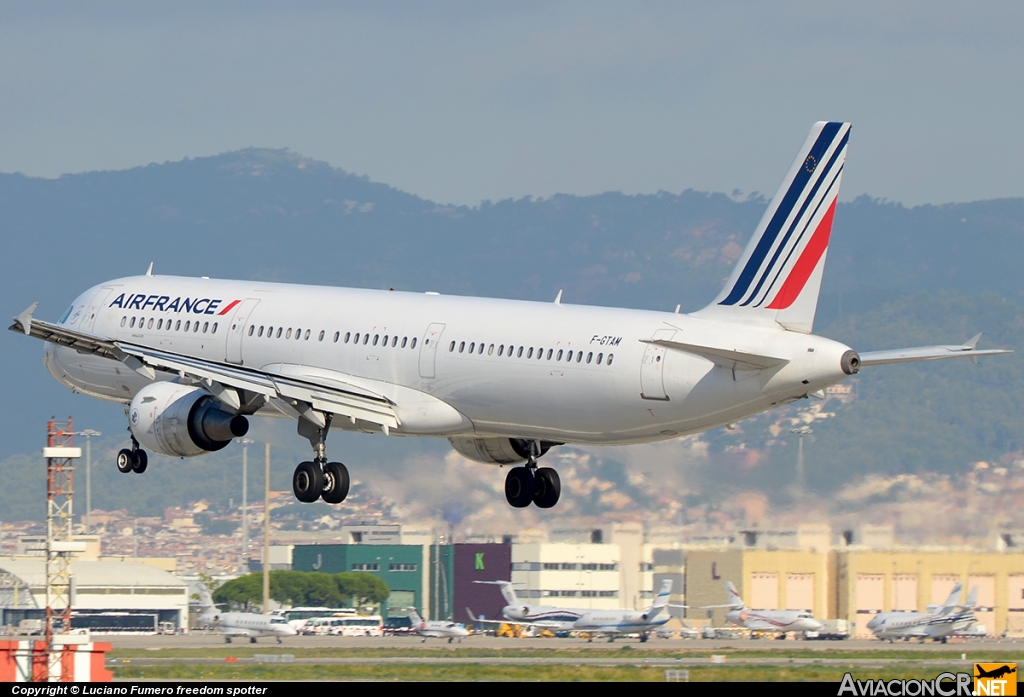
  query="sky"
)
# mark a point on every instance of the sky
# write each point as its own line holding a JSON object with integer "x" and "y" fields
{"x": 461, "y": 102}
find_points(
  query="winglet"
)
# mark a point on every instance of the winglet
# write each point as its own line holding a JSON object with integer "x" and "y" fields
{"x": 25, "y": 318}
{"x": 973, "y": 343}
{"x": 558, "y": 298}
{"x": 149, "y": 271}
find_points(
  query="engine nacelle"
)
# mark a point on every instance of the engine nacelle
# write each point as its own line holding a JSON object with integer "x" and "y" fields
{"x": 183, "y": 421}
{"x": 497, "y": 451}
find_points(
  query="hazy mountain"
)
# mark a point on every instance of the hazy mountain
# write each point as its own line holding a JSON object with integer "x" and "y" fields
{"x": 271, "y": 214}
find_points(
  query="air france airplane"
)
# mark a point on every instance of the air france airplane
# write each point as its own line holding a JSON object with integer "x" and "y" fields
{"x": 192, "y": 359}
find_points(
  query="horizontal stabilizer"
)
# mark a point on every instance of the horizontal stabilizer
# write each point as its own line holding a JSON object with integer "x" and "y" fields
{"x": 726, "y": 358}
{"x": 928, "y": 353}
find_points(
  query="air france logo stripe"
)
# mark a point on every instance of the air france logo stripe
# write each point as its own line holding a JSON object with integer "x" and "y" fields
{"x": 801, "y": 217}
{"x": 810, "y": 192}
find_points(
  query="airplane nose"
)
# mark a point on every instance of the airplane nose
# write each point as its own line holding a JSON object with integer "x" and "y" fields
{"x": 812, "y": 625}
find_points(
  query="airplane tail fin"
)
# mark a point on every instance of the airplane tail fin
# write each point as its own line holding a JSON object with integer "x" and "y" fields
{"x": 778, "y": 277}
{"x": 734, "y": 595}
{"x": 661, "y": 600}
{"x": 415, "y": 618}
{"x": 954, "y": 597}
{"x": 507, "y": 591}
{"x": 209, "y": 610}
{"x": 972, "y": 599}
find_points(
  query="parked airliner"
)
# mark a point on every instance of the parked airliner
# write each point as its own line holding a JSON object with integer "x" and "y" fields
{"x": 191, "y": 359}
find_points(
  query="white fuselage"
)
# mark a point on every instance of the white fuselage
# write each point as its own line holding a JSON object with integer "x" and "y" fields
{"x": 622, "y": 621}
{"x": 921, "y": 625}
{"x": 440, "y": 629}
{"x": 774, "y": 620}
{"x": 517, "y": 381}
{"x": 252, "y": 625}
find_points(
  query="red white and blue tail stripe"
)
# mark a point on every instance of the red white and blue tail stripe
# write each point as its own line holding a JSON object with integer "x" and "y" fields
{"x": 779, "y": 274}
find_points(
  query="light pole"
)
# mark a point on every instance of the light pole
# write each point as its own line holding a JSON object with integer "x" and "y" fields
{"x": 246, "y": 442}
{"x": 88, "y": 433}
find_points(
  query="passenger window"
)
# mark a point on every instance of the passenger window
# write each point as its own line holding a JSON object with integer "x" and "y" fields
{"x": 559, "y": 357}
{"x": 550, "y": 351}
{"x": 394, "y": 341}
{"x": 472, "y": 346}
{"x": 124, "y": 320}
{"x": 195, "y": 327}
{"x": 376, "y": 337}
{"x": 413, "y": 344}
{"x": 260, "y": 332}
{"x": 405, "y": 339}
{"x": 288, "y": 334}
{"x": 279, "y": 331}
{"x": 568, "y": 357}
{"x": 611, "y": 357}
{"x": 462, "y": 346}
{"x": 150, "y": 325}
{"x": 451, "y": 347}
{"x": 270, "y": 331}
{"x": 321, "y": 335}
{"x": 385, "y": 342}
{"x": 490, "y": 350}
{"x": 579, "y": 357}
{"x": 357, "y": 338}
{"x": 306, "y": 335}
{"x": 298, "y": 334}
{"x": 590, "y": 357}
{"x": 187, "y": 325}
{"x": 529, "y": 354}
{"x": 177, "y": 325}
{"x": 337, "y": 335}
{"x": 480, "y": 350}
{"x": 519, "y": 354}
{"x": 348, "y": 335}
{"x": 206, "y": 325}
{"x": 501, "y": 350}
{"x": 366, "y": 339}
{"x": 600, "y": 358}
{"x": 132, "y": 325}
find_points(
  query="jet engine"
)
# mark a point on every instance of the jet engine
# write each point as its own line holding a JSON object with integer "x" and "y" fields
{"x": 183, "y": 421}
{"x": 497, "y": 451}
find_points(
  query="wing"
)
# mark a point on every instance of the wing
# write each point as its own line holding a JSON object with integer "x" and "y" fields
{"x": 241, "y": 389}
{"x": 928, "y": 353}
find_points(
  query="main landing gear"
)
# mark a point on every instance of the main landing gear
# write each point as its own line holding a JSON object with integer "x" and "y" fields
{"x": 319, "y": 479}
{"x": 530, "y": 484}
{"x": 135, "y": 460}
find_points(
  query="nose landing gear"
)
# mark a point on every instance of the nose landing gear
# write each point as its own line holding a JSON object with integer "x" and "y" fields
{"x": 530, "y": 484}
{"x": 319, "y": 479}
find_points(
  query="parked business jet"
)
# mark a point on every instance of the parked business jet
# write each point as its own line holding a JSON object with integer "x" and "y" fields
{"x": 937, "y": 624}
{"x": 551, "y": 617}
{"x": 441, "y": 629}
{"x": 778, "y": 621}
{"x": 244, "y": 624}
{"x": 612, "y": 623}
{"x": 191, "y": 359}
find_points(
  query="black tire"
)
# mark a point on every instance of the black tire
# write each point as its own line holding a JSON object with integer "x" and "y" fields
{"x": 307, "y": 482}
{"x": 141, "y": 462}
{"x": 252, "y": 640}
{"x": 336, "y": 482}
{"x": 546, "y": 488}
{"x": 519, "y": 487}
{"x": 125, "y": 461}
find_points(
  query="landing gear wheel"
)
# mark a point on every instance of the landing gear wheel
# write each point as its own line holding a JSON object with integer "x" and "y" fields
{"x": 519, "y": 487}
{"x": 227, "y": 640}
{"x": 307, "y": 482}
{"x": 141, "y": 462}
{"x": 125, "y": 461}
{"x": 252, "y": 640}
{"x": 546, "y": 487}
{"x": 336, "y": 483}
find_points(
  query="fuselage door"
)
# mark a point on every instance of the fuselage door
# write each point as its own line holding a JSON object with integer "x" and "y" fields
{"x": 428, "y": 349}
{"x": 652, "y": 369}
{"x": 237, "y": 329}
{"x": 92, "y": 309}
